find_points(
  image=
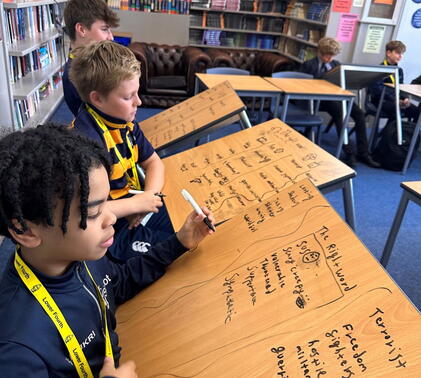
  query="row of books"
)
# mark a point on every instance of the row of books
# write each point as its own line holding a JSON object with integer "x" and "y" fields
{"x": 157, "y": 6}
{"x": 316, "y": 10}
{"x": 264, "y": 6}
{"x": 236, "y": 21}
{"x": 221, "y": 38}
{"x": 302, "y": 31}
{"x": 20, "y": 66}
{"x": 25, "y": 109}
{"x": 23, "y": 23}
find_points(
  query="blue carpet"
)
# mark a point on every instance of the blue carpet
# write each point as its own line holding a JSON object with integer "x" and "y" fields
{"x": 377, "y": 194}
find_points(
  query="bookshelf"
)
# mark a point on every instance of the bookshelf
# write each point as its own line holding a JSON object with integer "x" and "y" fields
{"x": 288, "y": 27}
{"x": 32, "y": 58}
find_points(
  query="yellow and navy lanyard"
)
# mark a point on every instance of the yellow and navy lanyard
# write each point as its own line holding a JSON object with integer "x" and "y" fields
{"x": 44, "y": 298}
{"x": 392, "y": 77}
{"x": 133, "y": 182}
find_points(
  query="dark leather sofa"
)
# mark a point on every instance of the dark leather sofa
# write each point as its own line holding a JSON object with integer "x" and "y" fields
{"x": 168, "y": 72}
{"x": 262, "y": 63}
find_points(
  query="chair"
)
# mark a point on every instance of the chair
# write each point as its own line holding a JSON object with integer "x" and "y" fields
{"x": 227, "y": 71}
{"x": 168, "y": 72}
{"x": 297, "y": 116}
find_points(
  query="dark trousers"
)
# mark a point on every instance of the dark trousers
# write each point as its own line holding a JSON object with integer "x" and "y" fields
{"x": 334, "y": 108}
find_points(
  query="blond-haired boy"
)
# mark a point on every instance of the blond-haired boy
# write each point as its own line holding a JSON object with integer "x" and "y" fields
{"x": 106, "y": 76}
{"x": 327, "y": 49}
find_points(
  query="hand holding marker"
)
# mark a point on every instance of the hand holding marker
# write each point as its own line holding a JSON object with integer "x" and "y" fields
{"x": 187, "y": 196}
{"x": 160, "y": 195}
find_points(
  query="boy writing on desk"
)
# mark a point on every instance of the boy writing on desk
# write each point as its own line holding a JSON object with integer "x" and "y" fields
{"x": 106, "y": 76}
{"x": 86, "y": 22}
{"x": 59, "y": 292}
{"x": 394, "y": 53}
{"x": 318, "y": 66}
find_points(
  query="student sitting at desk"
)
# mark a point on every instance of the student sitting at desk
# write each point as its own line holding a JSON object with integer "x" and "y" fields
{"x": 318, "y": 66}
{"x": 86, "y": 22}
{"x": 394, "y": 53}
{"x": 106, "y": 75}
{"x": 59, "y": 293}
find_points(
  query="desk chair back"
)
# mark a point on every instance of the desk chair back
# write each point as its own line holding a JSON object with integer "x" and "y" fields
{"x": 227, "y": 71}
{"x": 292, "y": 75}
{"x": 298, "y": 116}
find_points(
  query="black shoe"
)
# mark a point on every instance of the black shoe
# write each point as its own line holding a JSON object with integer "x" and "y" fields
{"x": 368, "y": 160}
{"x": 349, "y": 160}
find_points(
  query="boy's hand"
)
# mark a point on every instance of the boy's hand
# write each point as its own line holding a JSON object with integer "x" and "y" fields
{"x": 126, "y": 370}
{"x": 146, "y": 202}
{"x": 135, "y": 220}
{"x": 404, "y": 103}
{"x": 194, "y": 230}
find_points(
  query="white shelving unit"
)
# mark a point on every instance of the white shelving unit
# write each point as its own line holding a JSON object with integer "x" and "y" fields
{"x": 26, "y": 86}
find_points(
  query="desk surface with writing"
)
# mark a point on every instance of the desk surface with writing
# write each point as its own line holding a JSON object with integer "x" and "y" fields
{"x": 310, "y": 87}
{"x": 242, "y": 169}
{"x": 283, "y": 289}
{"x": 191, "y": 116}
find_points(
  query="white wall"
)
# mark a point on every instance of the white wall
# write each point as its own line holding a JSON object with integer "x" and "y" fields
{"x": 405, "y": 32}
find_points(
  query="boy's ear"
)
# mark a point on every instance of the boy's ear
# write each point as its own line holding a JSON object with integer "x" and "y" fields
{"x": 80, "y": 29}
{"x": 30, "y": 238}
{"x": 95, "y": 98}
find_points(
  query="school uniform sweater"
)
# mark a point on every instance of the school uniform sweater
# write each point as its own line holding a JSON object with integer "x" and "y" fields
{"x": 71, "y": 95}
{"x": 31, "y": 346}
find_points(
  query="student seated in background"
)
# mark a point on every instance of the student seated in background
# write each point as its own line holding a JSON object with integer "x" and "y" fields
{"x": 394, "y": 53}
{"x": 86, "y": 22}
{"x": 106, "y": 75}
{"x": 59, "y": 293}
{"x": 318, "y": 66}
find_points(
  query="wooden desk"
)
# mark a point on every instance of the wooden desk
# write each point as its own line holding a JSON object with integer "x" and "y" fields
{"x": 232, "y": 173}
{"x": 317, "y": 90}
{"x": 244, "y": 85}
{"x": 194, "y": 116}
{"x": 283, "y": 289}
{"x": 411, "y": 192}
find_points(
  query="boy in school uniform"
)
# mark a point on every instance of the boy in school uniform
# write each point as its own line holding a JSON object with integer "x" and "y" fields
{"x": 326, "y": 50}
{"x": 394, "y": 53}
{"x": 59, "y": 291}
{"x": 86, "y": 22}
{"x": 106, "y": 76}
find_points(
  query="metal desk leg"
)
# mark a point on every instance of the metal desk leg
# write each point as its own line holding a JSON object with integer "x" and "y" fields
{"x": 277, "y": 101}
{"x": 348, "y": 196}
{"x": 375, "y": 128}
{"x": 344, "y": 126}
{"x": 285, "y": 108}
{"x": 244, "y": 119}
{"x": 412, "y": 145}
{"x": 403, "y": 204}
{"x": 196, "y": 86}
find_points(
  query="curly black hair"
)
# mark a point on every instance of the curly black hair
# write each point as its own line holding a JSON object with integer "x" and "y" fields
{"x": 41, "y": 165}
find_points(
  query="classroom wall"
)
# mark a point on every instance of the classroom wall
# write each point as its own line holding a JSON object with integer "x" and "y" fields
{"x": 405, "y": 32}
{"x": 162, "y": 28}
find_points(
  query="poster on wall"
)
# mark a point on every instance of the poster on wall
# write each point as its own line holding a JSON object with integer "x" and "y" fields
{"x": 342, "y": 6}
{"x": 346, "y": 29}
{"x": 374, "y": 39}
{"x": 359, "y": 3}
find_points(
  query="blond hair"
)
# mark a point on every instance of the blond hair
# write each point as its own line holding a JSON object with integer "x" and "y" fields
{"x": 101, "y": 67}
{"x": 328, "y": 46}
